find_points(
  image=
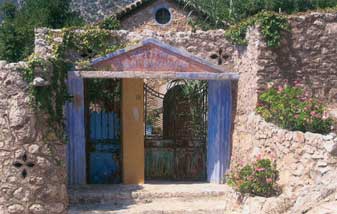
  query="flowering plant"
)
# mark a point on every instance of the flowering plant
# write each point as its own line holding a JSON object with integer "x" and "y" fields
{"x": 258, "y": 178}
{"x": 291, "y": 108}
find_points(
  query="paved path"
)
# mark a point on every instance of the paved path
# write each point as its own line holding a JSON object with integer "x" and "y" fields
{"x": 153, "y": 198}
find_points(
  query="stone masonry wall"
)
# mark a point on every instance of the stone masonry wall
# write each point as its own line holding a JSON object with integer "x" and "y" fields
{"x": 93, "y": 11}
{"x": 308, "y": 54}
{"x": 200, "y": 43}
{"x": 32, "y": 169}
{"x": 307, "y": 162}
{"x": 144, "y": 19}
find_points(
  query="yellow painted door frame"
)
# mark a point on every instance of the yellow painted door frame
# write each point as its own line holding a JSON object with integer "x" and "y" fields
{"x": 133, "y": 131}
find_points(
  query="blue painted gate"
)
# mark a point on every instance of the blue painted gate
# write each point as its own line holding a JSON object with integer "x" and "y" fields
{"x": 75, "y": 125}
{"x": 219, "y": 129}
{"x": 104, "y": 148}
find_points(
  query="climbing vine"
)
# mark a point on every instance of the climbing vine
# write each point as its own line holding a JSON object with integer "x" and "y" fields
{"x": 271, "y": 25}
{"x": 75, "y": 51}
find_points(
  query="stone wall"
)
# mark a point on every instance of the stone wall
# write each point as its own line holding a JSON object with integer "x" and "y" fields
{"x": 307, "y": 162}
{"x": 200, "y": 43}
{"x": 32, "y": 169}
{"x": 308, "y": 54}
{"x": 93, "y": 11}
{"x": 144, "y": 19}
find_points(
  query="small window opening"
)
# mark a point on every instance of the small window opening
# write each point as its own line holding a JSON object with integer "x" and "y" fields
{"x": 163, "y": 16}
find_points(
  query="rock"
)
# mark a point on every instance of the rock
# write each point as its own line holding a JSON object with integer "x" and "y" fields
{"x": 322, "y": 164}
{"x": 299, "y": 137}
{"x": 37, "y": 209}
{"x": 328, "y": 137}
{"x": 311, "y": 196}
{"x": 331, "y": 147}
{"x": 2, "y": 63}
{"x": 38, "y": 82}
{"x": 16, "y": 209}
{"x": 56, "y": 208}
{"x": 325, "y": 208}
{"x": 253, "y": 205}
{"x": 277, "y": 205}
{"x": 33, "y": 148}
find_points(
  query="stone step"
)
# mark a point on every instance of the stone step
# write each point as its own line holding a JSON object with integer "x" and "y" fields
{"x": 205, "y": 205}
{"x": 97, "y": 194}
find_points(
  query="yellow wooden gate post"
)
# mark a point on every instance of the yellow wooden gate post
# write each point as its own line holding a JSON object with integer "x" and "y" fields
{"x": 133, "y": 131}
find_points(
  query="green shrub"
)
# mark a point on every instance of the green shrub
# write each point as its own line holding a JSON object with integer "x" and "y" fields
{"x": 17, "y": 29}
{"x": 258, "y": 178}
{"x": 110, "y": 23}
{"x": 271, "y": 24}
{"x": 291, "y": 108}
{"x": 233, "y": 11}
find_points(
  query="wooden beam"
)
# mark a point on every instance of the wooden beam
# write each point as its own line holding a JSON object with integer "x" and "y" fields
{"x": 157, "y": 75}
{"x": 133, "y": 131}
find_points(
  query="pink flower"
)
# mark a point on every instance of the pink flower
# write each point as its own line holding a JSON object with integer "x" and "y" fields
{"x": 325, "y": 115}
{"x": 259, "y": 169}
{"x": 269, "y": 180}
{"x": 296, "y": 116}
{"x": 259, "y": 157}
{"x": 280, "y": 88}
{"x": 313, "y": 113}
{"x": 297, "y": 83}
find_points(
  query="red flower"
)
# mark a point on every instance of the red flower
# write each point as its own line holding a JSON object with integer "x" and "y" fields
{"x": 269, "y": 180}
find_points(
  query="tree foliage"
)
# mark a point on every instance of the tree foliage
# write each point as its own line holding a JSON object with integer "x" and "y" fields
{"x": 17, "y": 29}
{"x": 226, "y": 12}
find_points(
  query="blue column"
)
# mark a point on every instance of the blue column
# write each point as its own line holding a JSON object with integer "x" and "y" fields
{"x": 219, "y": 129}
{"x": 76, "y": 155}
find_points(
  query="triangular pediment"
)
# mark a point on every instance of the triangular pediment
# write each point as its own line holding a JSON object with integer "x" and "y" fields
{"x": 154, "y": 56}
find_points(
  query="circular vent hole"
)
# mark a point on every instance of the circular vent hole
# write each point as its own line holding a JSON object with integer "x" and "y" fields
{"x": 163, "y": 16}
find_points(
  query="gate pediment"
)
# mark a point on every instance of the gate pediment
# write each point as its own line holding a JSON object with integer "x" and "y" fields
{"x": 154, "y": 56}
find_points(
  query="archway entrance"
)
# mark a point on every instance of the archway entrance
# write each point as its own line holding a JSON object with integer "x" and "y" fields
{"x": 150, "y": 60}
{"x": 175, "y": 130}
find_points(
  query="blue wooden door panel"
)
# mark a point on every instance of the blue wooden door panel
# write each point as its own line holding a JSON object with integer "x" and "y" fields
{"x": 76, "y": 156}
{"x": 219, "y": 129}
{"x": 105, "y": 147}
{"x": 111, "y": 128}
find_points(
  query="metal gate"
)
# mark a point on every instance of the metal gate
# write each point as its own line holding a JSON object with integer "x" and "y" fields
{"x": 103, "y": 140}
{"x": 178, "y": 150}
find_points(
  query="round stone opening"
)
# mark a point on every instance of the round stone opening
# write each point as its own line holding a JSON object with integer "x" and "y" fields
{"x": 163, "y": 16}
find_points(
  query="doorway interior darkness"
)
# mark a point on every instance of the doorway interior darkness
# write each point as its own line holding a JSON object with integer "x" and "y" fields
{"x": 175, "y": 130}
